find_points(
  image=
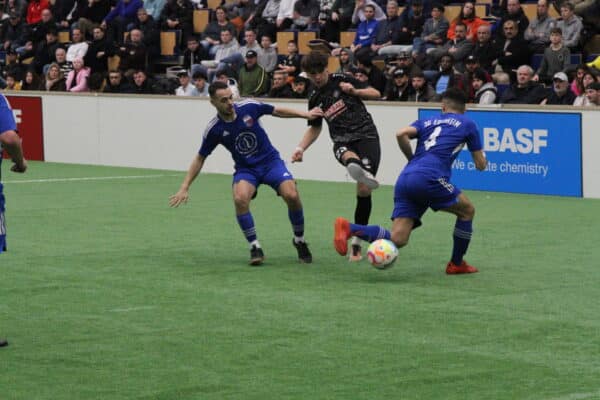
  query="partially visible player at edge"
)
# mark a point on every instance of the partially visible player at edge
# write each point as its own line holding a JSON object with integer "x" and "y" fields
{"x": 236, "y": 127}
{"x": 11, "y": 142}
{"x": 354, "y": 135}
{"x": 425, "y": 182}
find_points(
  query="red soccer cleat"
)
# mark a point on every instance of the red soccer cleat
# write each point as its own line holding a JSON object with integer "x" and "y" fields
{"x": 463, "y": 268}
{"x": 341, "y": 235}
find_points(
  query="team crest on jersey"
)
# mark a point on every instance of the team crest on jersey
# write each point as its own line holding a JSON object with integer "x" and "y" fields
{"x": 248, "y": 120}
{"x": 225, "y": 133}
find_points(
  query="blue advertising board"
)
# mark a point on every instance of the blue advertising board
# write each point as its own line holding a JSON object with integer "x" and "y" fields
{"x": 528, "y": 152}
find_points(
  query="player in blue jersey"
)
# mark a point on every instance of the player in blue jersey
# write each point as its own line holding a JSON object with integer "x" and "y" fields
{"x": 236, "y": 127}
{"x": 11, "y": 142}
{"x": 425, "y": 182}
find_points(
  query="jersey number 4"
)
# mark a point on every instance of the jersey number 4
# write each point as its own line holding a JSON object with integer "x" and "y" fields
{"x": 429, "y": 143}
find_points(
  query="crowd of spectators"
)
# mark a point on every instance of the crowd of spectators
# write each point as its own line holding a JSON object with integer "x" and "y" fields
{"x": 408, "y": 50}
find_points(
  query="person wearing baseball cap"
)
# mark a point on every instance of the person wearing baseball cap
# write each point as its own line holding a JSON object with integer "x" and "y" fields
{"x": 561, "y": 92}
{"x": 592, "y": 92}
{"x": 399, "y": 87}
{"x": 252, "y": 78}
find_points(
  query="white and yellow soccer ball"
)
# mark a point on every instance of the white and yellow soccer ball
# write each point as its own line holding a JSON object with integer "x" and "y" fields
{"x": 382, "y": 253}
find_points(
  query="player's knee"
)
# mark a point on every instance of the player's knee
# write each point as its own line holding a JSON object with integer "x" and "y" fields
{"x": 241, "y": 200}
{"x": 468, "y": 213}
{"x": 400, "y": 239}
{"x": 291, "y": 197}
{"x": 362, "y": 190}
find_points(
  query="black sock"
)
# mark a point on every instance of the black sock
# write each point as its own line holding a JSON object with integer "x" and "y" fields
{"x": 363, "y": 210}
{"x": 353, "y": 160}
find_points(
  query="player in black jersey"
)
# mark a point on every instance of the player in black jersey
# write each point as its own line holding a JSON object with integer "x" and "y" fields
{"x": 351, "y": 127}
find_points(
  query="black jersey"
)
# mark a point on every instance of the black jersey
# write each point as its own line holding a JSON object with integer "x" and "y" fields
{"x": 346, "y": 115}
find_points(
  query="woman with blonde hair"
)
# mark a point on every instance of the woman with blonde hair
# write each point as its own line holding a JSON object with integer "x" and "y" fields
{"x": 77, "y": 78}
{"x": 54, "y": 81}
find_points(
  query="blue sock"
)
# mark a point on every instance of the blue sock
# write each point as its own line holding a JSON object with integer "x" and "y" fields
{"x": 297, "y": 220}
{"x": 246, "y": 223}
{"x": 462, "y": 236}
{"x": 369, "y": 233}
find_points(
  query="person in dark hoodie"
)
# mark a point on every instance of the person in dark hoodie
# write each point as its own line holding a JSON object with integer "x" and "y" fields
{"x": 116, "y": 83}
{"x": 280, "y": 87}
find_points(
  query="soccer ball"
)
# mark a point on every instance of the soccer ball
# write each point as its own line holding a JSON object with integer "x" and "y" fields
{"x": 382, "y": 253}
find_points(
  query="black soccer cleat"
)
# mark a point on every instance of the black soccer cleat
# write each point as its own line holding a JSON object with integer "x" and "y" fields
{"x": 304, "y": 254}
{"x": 256, "y": 256}
{"x": 3, "y": 342}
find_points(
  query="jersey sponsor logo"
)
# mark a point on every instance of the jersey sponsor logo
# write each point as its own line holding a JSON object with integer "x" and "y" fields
{"x": 336, "y": 109}
{"x": 246, "y": 143}
{"x": 248, "y": 120}
{"x": 447, "y": 185}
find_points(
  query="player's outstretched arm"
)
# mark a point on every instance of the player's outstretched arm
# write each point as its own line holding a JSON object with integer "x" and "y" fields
{"x": 182, "y": 196}
{"x": 311, "y": 134}
{"x": 12, "y": 143}
{"x": 403, "y": 137}
{"x": 368, "y": 93}
{"x": 283, "y": 112}
{"x": 479, "y": 159}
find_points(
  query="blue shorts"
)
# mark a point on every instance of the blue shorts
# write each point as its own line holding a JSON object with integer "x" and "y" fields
{"x": 272, "y": 173}
{"x": 2, "y": 224}
{"x": 414, "y": 193}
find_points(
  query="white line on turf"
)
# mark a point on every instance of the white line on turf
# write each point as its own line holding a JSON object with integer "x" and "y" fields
{"x": 91, "y": 178}
{"x": 578, "y": 396}
{"x": 129, "y": 309}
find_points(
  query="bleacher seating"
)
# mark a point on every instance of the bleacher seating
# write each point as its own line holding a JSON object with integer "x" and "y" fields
{"x": 347, "y": 38}
{"x": 303, "y": 39}
{"x": 64, "y": 37}
{"x": 168, "y": 42}
{"x": 201, "y": 19}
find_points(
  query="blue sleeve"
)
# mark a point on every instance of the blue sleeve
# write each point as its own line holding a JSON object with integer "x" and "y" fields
{"x": 264, "y": 108}
{"x": 7, "y": 118}
{"x": 473, "y": 138}
{"x": 209, "y": 142}
{"x": 418, "y": 125}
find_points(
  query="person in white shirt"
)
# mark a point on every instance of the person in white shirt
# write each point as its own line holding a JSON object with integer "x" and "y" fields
{"x": 79, "y": 47}
{"x": 185, "y": 88}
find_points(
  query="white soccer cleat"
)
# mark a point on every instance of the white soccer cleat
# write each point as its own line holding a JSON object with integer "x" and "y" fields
{"x": 359, "y": 174}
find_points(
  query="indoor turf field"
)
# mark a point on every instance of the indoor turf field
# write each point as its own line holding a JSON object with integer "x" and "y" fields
{"x": 107, "y": 293}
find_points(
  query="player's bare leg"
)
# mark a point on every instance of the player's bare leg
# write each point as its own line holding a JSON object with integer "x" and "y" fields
{"x": 242, "y": 195}
{"x": 401, "y": 230}
{"x": 289, "y": 194}
{"x": 465, "y": 212}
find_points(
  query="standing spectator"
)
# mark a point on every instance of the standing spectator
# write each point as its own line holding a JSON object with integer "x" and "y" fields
{"x": 434, "y": 32}
{"x": 116, "y": 83}
{"x": 150, "y": 31}
{"x": 306, "y": 15}
{"x": 54, "y": 81}
{"x": 469, "y": 19}
{"x": 267, "y": 56}
{"x": 513, "y": 53}
{"x": 117, "y": 21}
{"x": 77, "y": 80}
{"x": 78, "y": 47}
{"x": 525, "y": 90}
{"x": 483, "y": 87}
{"x": 570, "y": 25}
{"x": 185, "y": 87}
{"x": 398, "y": 87}
{"x": 538, "y": 31}
{"x": 422, "y": 91}
{"x": 34, "y": 10}
{"x": 200, "y": 89}
{"x": 556, "y": 58}
{"x": 561, "y": 92}
{"x": 367, "y": 29}
{"x": 98, "y": 52}
{"x": 280, "y": 88}
{"x": 133, "y": 53}
{"x": 341, "y": 15}
{"x": 212, "y": 33}
{"x": 514, "y": 12}
{"x": 486, "y": 49}
{"x": 387, "y": 38}
{"x": 252, "y": 78}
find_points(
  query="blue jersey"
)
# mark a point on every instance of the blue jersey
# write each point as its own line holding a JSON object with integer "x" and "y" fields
{"x": 244, "y": 137}
{"x": 7, "y": 122}
{"x": 439, "y": 140}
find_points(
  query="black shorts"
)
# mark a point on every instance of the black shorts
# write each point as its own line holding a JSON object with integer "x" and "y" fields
{"x": 368, "y": 151}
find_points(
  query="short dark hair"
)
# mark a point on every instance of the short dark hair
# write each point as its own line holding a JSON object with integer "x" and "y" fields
{"x": 314, "y": 62}
{"x": 438, "y": 6}
{"x": 556, "y": 30}
{"x": 217, "y": 85}
{"x": 455, "y": 99}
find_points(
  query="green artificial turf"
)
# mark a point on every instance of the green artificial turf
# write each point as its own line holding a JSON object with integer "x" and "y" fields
{"x": 107, "y": 293}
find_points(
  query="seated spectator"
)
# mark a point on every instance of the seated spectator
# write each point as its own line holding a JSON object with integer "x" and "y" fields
{"x": 483, "y": 87}
{"x": 98, "y": 52}
{"x": 341, "y": 17}
{"x": 150, "y": 31}
{"x": 211, "y": 36}
{"x": 228, "y": 47}
{"x": 252, "y": 78}
{"x": 133, "y": 53}
{"x": 538, "y": 31}
{"x": 116, "y": 22}
{"x": 34, "y": 11}
{"x": 154, "y": 7}
{"x": 514, "y": 12}
{"x": 366, "y": 30}
{"x": 185, "y": 87}
{"x": 364, "y": 60}
{"x": 12, "y": 83}
{"x": 514, "y": 53}
{"x": 577, "y": 86}
{"x": 398, "y": 87}
{"x": 471, "y": 65}
{"x": 13, "y": 33}
{"x": 458, "y": 48}
{"x": 412, "y": 24}
{"x": 387, "y": 37}
{"x": 77, "y": 80}
{"x": 403, "y": 60}
{"x": 142, "y": 84}
{"x": 422, "y": 91}
{"x": 306, "y": 15}
{"x": 346, "y": 61}
{"x": 54, "y": 80}
{"x": 588, "y": 11}
{"x": 60, "y": 57}
{"x": 267, "y": 56}
{"x": 78, "y": 47}
{"x": 556, "y": 58}
{"x": 116, "y": 83}
{"x": 12, "y": 65}
{"x": 239, "y": 11}
{"x": 280, "y": 88}
{"x": 200, "y": 89}
{"x": 37, "y": 31}
{"x": 291, "y": 62}
{"x": 447, "y": 78}
{"x": 525, "y": 90}
{"x": 44, "y": 52}
{"x": 31, "y": 81}
{"x": 301, "y": 86}
{"x": 328, "y": 28}
{"x": 587, "y": 79}
{"x": 434, "y": 32}
{"x": 225, "y": 75}
{"x": 486, "y": 50}
{"x": 266, "y": 19}
{"x": 592, "y": 92}
{"x": 469, "y": 19}
{"x": 570, "y": 26}
{"x": 561, "y": 92}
